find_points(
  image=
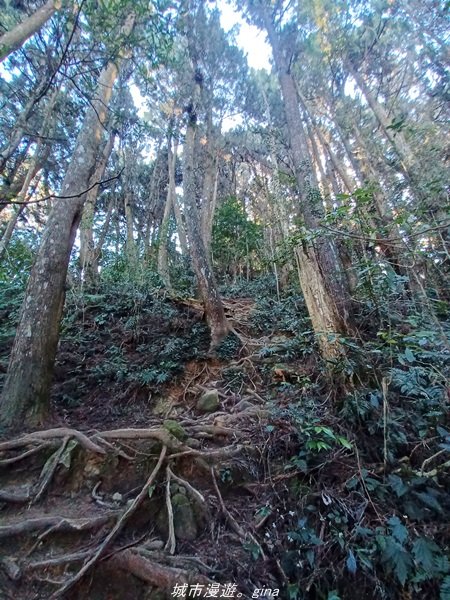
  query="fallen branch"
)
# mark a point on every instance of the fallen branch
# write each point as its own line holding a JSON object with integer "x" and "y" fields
{"x": 56, "y": 197}
{"x": 161, "y": 435}
{"x": 213, "y": 430}
{"x": 14, "y": 497}
{"x": 219, "y": 453}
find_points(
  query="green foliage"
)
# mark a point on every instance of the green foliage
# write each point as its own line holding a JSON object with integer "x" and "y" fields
{"x": 130, "y": 336}
{"x": 235, "y": 237}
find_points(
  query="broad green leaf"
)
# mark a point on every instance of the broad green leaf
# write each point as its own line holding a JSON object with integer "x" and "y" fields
{"x": 344, "y": 442}
{"x": 445, "y": 589}
{"x": 397, "y": 485}
{"x": 66, "y": 456}
{"x": 399, "y": 531}
{"x": 351, "y": 562}
{"x": 397, "y": 560}
{"x": 423, "y": 551}
{"x": 409, "y": 355}
{"x": 429, "y": 500}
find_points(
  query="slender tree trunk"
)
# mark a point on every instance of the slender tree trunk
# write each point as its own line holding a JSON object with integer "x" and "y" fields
{"x": 163, "y": 255}
{"x": 335, "y": 161}
{"x": 25, "y": 398}
{"x": 88, "y": 262}
{"x": 13, "y": 39}
{"x": 40, "y": 156}
{"x": 210, "y": 180}
{"x": 14, "y": 182}
{"x": 180, "y": 227}
{"x": 130, "y": 244}
{"x": 398, "y": 141}
{"x": 209, "y": 202}
{"x": 326, "y": 188}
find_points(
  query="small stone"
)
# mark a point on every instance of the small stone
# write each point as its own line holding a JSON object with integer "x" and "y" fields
{"x": 193, "y": 443}
{"x": 11, "y": 568}
{"x": 117, "y": 497}
{"x": 209, "y": 402}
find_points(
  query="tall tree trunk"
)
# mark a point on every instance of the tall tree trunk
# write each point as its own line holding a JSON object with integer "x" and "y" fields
{"x": 163, "y": 255}
{"x": 13, "y": 39}
{"x": 209, "y": 293}
{"x": 397, "y": 141}
{"x": 210, "y": 179}
{"x": 25, "y": 398}
{"x": 209, "y": 202}
{"x": 325, "y": 292}
{"x": 181, "y": 229}
{"x": 88, "y": 261}
{"x": 130, "y": 244}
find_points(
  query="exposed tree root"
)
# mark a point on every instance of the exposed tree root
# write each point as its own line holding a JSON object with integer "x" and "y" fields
{"x": 15, "y": 497}
{"x": 49, "y": 470}
{"x": 232, "y": 521}
{"x": 115, "y": 530}
{"x": 26, "y": 454}
{"x": 60, "y": 560}
{"x": 49, "y": 434}
{"x": 57, "y": 523}
{"x": 153, "y": 572}
{"x": 116, "y": 459}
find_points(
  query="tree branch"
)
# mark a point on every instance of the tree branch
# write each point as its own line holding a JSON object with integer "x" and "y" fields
{"x": 55, "y": 197}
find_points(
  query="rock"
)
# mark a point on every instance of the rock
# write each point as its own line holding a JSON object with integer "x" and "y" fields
{"x": 193, "y": 443}
{"x": 11, "y": 568}
{"x": 209, "y": 402}
{"x": 162, "y": 406}
{"x": 117, "y": 497}
{"x": 175, "y": 429}
{"x": 183, "y": 518}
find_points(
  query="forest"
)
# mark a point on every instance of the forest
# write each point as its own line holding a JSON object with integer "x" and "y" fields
{"x": 224, "y": 299}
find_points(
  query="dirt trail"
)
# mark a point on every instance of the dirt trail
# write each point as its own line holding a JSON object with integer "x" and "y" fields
{"x": 130, "y": 512}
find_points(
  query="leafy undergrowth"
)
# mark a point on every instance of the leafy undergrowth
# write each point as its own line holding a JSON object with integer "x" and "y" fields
{"x": 292, "y": 483}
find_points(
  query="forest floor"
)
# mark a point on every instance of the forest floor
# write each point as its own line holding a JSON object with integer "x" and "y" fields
{"x": 162, "y": 466}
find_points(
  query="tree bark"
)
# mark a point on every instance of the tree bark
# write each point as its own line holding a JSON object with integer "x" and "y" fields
{"x": 25, "y": 398}
{"x": 325, "y": 292}
{"x": 398, "y": 141}
{"x": 13, "y": 39}
{"x": 88, "y": 254}
{"x": 163, "y": 255}
{"x": 215, "y": 314}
